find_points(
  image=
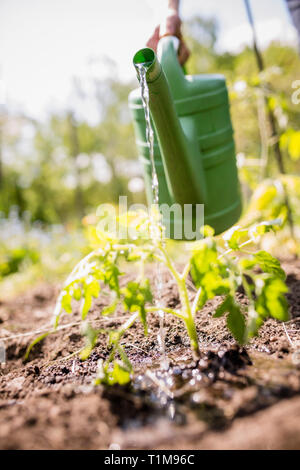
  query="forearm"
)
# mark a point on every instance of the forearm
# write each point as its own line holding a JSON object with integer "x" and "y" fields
{"x": 173, "y": 5}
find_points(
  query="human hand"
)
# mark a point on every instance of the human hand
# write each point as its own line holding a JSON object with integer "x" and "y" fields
{"x": 170, "y": 27}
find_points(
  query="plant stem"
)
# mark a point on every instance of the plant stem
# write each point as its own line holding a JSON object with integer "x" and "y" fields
{"x": 187, "y": 314}
{"x": 168, "y": 262}
{"x": 228, "y": 252}
{"x": 196, "y": 301}
{"x": 186, "y": 270}
{"x": 166, "y": 310}
{"x": 128, "y": 324}
{"x": 191, "y": 329}
{"x": 189, "y": 318}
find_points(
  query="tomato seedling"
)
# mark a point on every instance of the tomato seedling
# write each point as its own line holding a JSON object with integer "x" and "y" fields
{"x": 218, "y": 266}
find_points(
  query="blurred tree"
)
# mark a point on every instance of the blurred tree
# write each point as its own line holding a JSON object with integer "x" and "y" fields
{"x": 74, "y": 150}
{"x": 1, "y": 145}
{"x": 75, "y": 165}
{"x": 201, "y": 38}
{"x": 274, "y": 134}
{"x": 294, "y": 7}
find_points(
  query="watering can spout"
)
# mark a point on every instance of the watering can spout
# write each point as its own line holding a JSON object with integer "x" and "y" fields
{"x": 179, "y": 148}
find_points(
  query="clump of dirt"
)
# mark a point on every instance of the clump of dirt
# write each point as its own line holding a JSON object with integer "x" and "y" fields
{"x": 51, "y": 403}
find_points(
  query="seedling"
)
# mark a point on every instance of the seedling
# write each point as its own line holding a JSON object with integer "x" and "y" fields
{"x": 218, "y": 266}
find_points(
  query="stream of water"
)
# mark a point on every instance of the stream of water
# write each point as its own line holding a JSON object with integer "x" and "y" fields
{"x": 142, "y": 70}
{"x": 156, "y": 234}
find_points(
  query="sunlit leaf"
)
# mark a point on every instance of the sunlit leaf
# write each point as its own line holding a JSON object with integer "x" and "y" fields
{"x": 136, "y": 295}
{"x": 36, "y": 341}
{"x": 66, "y": 302}
{"x": 207, "y": 232}
{"x": 294, "y": 146}
{"x": 91, "y": 336}
{"x": 271, "y": 300}
{"x": 234, "y": 237}
{"x": 110, "y": 309}
{"x": 269, "y": 264}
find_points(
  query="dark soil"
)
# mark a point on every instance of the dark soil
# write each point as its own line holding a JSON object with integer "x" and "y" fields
{"x": 231, "y": 399}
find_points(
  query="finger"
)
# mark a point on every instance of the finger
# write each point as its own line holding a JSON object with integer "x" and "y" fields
{"x": 183, "y": 53}
{"x": 153, "y": 41}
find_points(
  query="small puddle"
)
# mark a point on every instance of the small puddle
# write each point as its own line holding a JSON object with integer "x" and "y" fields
{"x": 220, "y": 387}
{"x": 271, "y": 371}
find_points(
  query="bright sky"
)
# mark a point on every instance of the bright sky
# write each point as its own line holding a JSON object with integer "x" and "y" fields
{"x": 44, "y": 43}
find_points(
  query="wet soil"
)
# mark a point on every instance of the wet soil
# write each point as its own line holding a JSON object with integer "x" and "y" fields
{"x": 231, "y": 399}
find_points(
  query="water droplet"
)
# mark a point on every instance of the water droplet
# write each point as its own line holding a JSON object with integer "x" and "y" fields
{"x": 171, "y": 411}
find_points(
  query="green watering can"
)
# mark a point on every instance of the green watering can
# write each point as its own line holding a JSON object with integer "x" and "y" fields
{"x": 194, "y": 149}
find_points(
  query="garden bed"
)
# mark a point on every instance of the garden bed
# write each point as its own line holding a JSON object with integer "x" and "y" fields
{"x": 231, "y": 399}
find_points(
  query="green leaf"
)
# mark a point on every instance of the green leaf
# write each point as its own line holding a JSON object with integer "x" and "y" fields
{"x": 114, "y": 337}
{"x": 269, "y": 264}
{"x": 76, "y": 293}
{"x": 294, "y": 146}
{"x": 234, "y": 237}
{"x": 263, "y": 198}
{"x": 92, "y": 289}
{"x": 145, "y": 289}
{"x": 86, "y": 305}
{"x": 290, "y": 140}
{"x": 223, "y": 308}
{"x": 203, "y": 259}
{"x": 235, "y": 320}
{"x": 110, "y": 309}
{"x": 255, "y": 322}
{"x": 66, "y": 302}
{"x": 272, "y": 103}
{"x": 111, "y": 277}
{"x": 271, "y": 300}
{"x": 208, "y": 272}
{"x": 236, "y": 323}
{"x": 265, "y": 227}
{"x": 120, "y": 375}
{"x": 247, "y": 264}
{"x": 276, "y": 301}
{"x": 136, "y": 295}
{"x": 34, "y": 342}
{"x": 91, "y": 339}
{"x": 207, "y": 232}
{"x": 132, "y": 296}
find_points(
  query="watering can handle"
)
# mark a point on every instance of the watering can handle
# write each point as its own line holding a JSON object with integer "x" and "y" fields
{"x": 167, "y": 51}
{"x": 171, "y": 39}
